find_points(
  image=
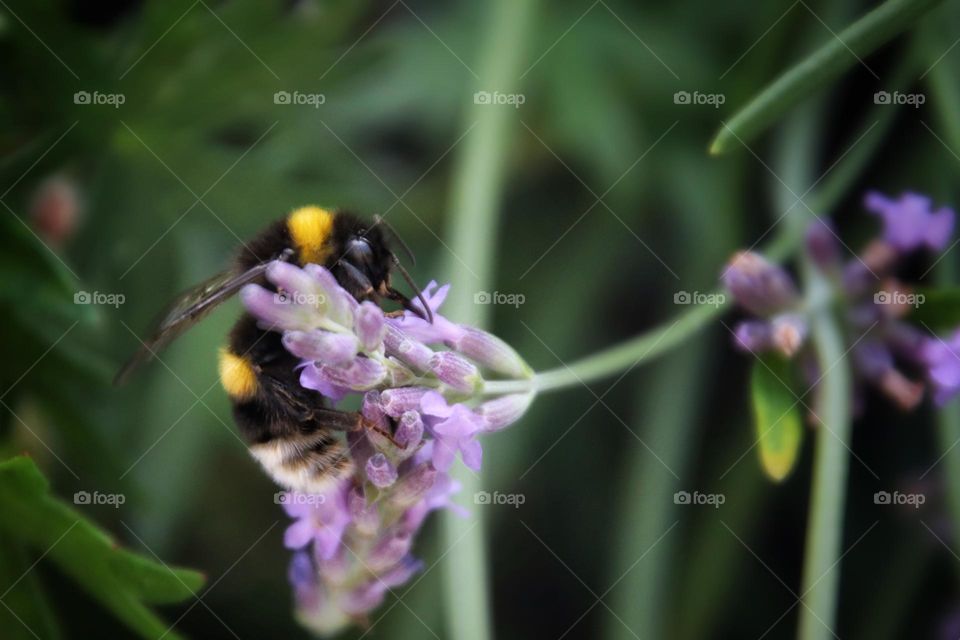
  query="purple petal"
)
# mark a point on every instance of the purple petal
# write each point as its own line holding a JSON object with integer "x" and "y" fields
{"x": 433, "y": 404}
{"x": 443, "y": 454}
{"x": 370, "y": 325}
{"x": 472, "y": 454}
{"x": 271, "y": 310}
{"x": 322, "y": 346}
{"x": 311, "y": 378}
{"x": 299, "y": 534}
{"x": 909, "y": 223}
{"x": 754, "y": 336}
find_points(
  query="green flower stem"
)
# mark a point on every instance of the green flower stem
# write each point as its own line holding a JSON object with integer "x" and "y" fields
{"x": 821, "y": 571}
{"x": 946, "y": 101}
{"x": 821, "y": 575}
{"x": 819, "y": 68}
{"x": 477, "y": 188}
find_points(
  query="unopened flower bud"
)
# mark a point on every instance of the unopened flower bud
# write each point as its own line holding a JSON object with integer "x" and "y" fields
{"x": 788, "y": 333}
{"x": 380, "y": 472}
{"x": 455, "y": 371}
{"x": 759, "y": 286}
{"x": 504, "y": 411}
{"x": 370, "y": 325}
{"x": 490, "y": 352}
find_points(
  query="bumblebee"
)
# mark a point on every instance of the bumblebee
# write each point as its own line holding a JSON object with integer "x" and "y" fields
{"x": 290, "y": 430}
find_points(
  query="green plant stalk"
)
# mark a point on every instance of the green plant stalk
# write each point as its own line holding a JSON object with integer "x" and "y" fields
{"x": 648, "y": 513}
{"x": 819, "y": 68}
{"x": 821, "y": 574}
{"x": 946, "y": 99}
{"x": 477, "y": 188}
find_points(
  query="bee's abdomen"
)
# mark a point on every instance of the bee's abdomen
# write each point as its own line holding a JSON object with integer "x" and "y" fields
{"x": 308, "y": 463}
{"x": 276, "y": 416}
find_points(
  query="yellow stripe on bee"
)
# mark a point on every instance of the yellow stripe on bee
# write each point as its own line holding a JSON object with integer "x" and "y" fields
{"x": 237, "y": 375}
{"x": 310, "y": 229}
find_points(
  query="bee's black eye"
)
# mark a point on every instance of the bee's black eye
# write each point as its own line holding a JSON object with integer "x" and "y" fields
{"x": 359, "y": 252}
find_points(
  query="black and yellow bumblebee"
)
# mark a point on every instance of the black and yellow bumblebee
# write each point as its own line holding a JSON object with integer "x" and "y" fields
{"x": 290, "y": 430}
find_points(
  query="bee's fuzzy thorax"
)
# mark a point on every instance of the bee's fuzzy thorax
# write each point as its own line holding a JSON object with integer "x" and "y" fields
{"x": 310, "y": 230}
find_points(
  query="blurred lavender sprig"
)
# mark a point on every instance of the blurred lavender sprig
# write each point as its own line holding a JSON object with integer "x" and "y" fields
{"x": 424, "y": 395}
{"x": 888, "y": 352}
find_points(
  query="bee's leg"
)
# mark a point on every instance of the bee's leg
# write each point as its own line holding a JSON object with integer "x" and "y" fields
{"x": 355, "y": 281}
{"x": 349, "y": 421}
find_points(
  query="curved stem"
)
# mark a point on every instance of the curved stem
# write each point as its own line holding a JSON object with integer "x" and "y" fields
{"x": 643, "y": 347}
{"x": 477, "y": 188}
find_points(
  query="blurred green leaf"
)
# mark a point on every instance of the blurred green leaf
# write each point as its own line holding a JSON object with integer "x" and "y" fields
{"x": 940, "y": 308}
{"x": 777, "y": 419}
{"x": 121, "y": 580}
{"x": 840, "y": 52}
{"x": 26, "y": 613}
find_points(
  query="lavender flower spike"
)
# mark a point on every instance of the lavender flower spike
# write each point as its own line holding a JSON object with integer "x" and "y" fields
{"x": 427, "y": 400}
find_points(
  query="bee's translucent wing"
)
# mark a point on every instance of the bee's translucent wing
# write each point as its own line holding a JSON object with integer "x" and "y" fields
{"x": 188, "y": 309}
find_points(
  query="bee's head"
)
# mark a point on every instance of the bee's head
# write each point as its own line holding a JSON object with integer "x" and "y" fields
{"x": 367, "y": 262}
{"x": 366, "y": 250}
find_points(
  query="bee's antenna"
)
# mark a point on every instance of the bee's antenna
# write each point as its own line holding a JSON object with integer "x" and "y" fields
{"x": 413, "y": 285}
{"x": 378, "y": 219}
